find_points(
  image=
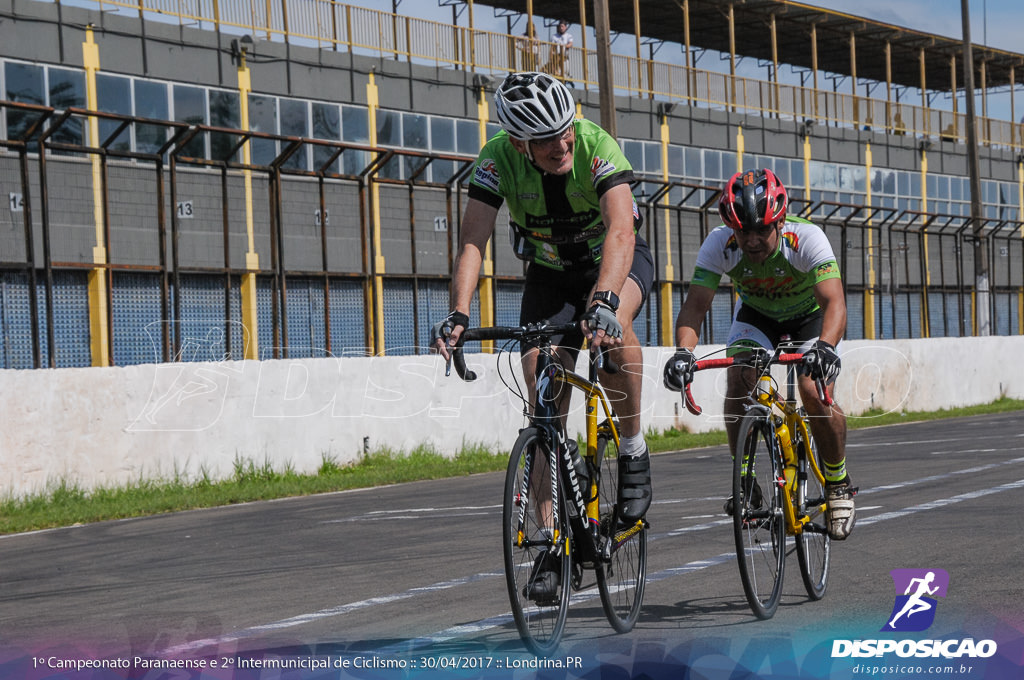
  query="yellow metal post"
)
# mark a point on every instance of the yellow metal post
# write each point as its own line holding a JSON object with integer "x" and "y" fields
{"x": 250, "y": 316}
{"x": 375, "y": 301}
{"x": 740, "y": 148}
{"x": 807, "y": 165}
{"x": 668, "y": 318}
{"x": 99, "y": 313}
{"x": 486, "y": 287}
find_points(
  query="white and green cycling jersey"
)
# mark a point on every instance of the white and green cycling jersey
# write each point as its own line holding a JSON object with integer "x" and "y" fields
{"x": 781, "y": 287}
{"x": 555, "y": 219}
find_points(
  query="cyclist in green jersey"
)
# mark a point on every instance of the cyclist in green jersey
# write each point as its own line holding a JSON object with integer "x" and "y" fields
{"x": 788, "y": 282}
{"x": 566, "y": 184}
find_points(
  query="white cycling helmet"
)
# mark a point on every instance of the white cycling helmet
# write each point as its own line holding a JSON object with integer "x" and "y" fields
{"x": 533, "y": 106}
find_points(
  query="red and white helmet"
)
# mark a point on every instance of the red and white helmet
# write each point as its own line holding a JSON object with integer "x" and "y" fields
{"x": 753, "y": 199}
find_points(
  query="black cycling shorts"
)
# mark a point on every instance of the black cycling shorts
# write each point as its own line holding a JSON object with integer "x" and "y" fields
{"x": 561, "y": 296}
{"x": 752, "y": 328}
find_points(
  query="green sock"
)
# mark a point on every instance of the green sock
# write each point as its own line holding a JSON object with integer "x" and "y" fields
{"x": 835, "y": 472}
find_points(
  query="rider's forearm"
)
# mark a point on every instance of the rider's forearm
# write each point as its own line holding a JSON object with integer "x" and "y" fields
{"x": 833, "y": 326}
{"x": 465, "y": 278}
{"x": 617, "y": 252}
{"x": 691, "y": 316}
{"x": 616, "y": 260}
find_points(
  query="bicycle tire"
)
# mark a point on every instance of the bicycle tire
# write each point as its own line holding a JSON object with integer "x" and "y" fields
{"x": 758, "y": 524}
{"x": 540, "y": 625}
{"x": 622, "y": 580}
{"x": 813, "y": 544}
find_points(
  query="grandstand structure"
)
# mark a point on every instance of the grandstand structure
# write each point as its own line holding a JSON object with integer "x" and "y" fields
{"x": 213, "y": 179}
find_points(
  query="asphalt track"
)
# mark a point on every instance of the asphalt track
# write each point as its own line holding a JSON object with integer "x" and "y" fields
{"x": 412, "y": 574}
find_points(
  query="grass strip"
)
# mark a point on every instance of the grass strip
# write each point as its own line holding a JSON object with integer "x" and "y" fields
{"x": 66, "y": 504}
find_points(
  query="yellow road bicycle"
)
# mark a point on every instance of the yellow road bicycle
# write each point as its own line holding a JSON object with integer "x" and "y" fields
{"x": 778, "y": 489}
{"x": 559, "y": 505}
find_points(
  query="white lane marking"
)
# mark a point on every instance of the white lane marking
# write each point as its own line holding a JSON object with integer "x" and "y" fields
{"x": 942, "y": 502}
{"x": 503, "y": 619}
{"x": 944, "y": 475}
{"x": 506, "y": 618}
{"x": 327, "y": 613}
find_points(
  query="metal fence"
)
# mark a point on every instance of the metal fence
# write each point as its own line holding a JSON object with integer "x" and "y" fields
{"x": 327, "y": 262}
{"x": 327, "y": 24}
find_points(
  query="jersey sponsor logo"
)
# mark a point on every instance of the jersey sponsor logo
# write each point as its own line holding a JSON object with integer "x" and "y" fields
{"x": 486, "y": 174}
{"x": 771, "y": 288}
{"x": 792, "y": 239}
{"x": 600, "y": 167}
{"x": 827, "y": 268}
{"x": 576, "y": 221}
{"x": 529, "y": 197}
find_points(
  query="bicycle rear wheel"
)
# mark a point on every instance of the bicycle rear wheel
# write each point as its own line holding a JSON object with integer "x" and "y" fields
{"x": 757, "y": 517}
{"x": 813, "y": 545}
{"x": 622, "y": 579}
{"x": 535, "y": 537}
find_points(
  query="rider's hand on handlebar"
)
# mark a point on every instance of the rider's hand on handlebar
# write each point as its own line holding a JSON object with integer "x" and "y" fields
{"x": 601, "y": 326}
{"x": 679, "y": 370}
{"x": 445, "y": 333}
{"x": 821, "y": 362}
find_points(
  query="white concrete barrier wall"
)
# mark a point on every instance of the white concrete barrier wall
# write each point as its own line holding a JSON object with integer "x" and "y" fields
{"x": 104, "y": 426}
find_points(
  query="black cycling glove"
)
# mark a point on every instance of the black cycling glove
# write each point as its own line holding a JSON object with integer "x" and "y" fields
{"x": 443, "y": 329}
{"x": 821, "y": 362}
{"x": 679, "y": 370}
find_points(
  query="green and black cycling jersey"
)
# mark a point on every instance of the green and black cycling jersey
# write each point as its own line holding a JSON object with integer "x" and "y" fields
{"x": 555, "y": 219}
{"x": 781, "y": 287}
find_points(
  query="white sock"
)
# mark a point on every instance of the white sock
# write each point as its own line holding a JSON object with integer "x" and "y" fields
{"x": 632, "y": 447}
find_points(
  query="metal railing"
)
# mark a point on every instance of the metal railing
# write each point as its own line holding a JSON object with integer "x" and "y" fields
{"x": 321, "y": 235}
{"x": 332, "y": 25}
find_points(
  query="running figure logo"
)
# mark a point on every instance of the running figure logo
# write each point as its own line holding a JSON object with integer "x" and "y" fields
{"x": 916, "y": 590}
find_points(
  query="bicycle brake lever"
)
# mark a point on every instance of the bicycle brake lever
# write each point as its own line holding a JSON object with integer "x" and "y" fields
{"x": 823, "y": 393}
{"x": 604, "y": 361}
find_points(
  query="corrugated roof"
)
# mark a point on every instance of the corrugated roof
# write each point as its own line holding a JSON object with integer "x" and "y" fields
{"x": 709, "y": 29}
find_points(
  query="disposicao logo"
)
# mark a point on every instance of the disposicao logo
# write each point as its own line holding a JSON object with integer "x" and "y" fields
{"x": 914, "y": 610}
{"x": 916, "y": 590}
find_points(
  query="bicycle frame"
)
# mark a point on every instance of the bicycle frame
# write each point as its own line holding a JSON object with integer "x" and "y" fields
{"x": 546, "y": 416}
{"x": 579, "y": 521}
{"x": 789, "y": 420}
{"x": 550, "y": 374}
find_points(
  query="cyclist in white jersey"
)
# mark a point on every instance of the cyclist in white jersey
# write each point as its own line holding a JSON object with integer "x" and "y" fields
{"x": 788, "y": 282}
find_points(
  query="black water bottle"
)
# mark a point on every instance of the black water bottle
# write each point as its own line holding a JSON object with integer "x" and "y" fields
{"x": 579, "y": 465}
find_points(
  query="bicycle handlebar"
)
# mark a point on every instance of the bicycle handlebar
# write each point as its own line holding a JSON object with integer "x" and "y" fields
{"x": 752, "y": 360}
{"x": 521, "y": 333}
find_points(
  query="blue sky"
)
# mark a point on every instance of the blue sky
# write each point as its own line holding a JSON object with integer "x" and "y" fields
{"x": 1001, "y": 21}
{"x": 998, "y": 21}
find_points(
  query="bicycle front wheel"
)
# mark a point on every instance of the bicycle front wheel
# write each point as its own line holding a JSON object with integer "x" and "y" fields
{"x": 757, "y": 516}
{"x": 813, "y": 544}
{"x": 536, "y": 542}
{"x": 620, "y": 580}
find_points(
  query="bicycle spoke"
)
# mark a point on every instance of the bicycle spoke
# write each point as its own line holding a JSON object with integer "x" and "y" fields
{"x": 622, "y": 579}
{"x": 758, "y": 522}
{"x": 536, "y": 539}
{"x": 813, "y": 545}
